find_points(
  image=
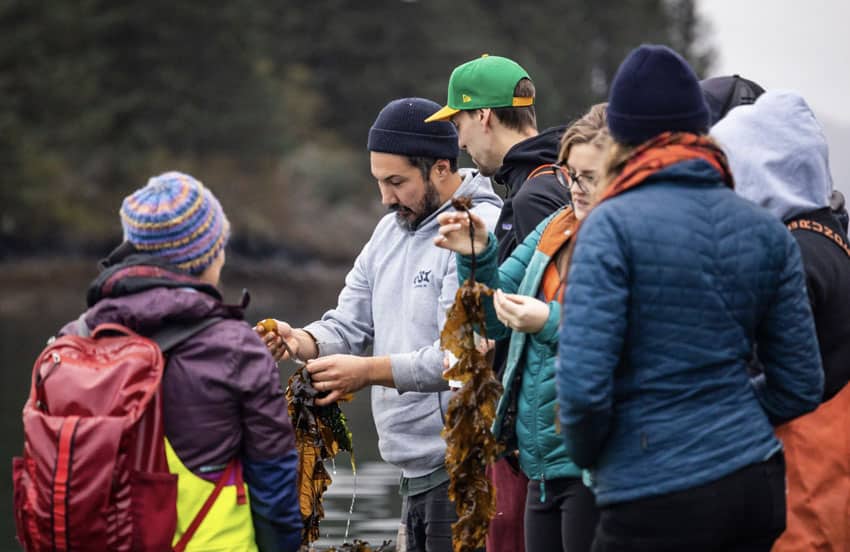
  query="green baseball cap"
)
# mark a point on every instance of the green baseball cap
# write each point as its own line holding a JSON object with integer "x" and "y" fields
{"x": 488, "y": 81}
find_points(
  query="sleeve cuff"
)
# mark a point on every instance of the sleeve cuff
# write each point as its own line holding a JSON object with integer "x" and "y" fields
{"x": 404, "y": 375}
{"x": 327, "y": 342}
{"x": 410, "y": 373}
{"x": 464, "y": 262}
{"x": 549, "y": 333}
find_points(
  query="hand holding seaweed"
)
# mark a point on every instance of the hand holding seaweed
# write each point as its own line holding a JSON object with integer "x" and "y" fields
{"x": 461, "y": 232}
{"x": 469, "y": 442}
{"x": 321, "y": 432}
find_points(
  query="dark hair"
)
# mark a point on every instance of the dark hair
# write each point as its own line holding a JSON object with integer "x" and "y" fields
{"x": 424, "y": 164}
{"x": 519, "y": 118}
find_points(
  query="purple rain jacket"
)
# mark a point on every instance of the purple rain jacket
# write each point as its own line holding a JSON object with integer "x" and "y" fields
{"x": 221, "y": 391}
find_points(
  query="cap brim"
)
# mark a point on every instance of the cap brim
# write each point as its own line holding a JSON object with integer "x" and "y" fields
{"x": 442, "y": 115}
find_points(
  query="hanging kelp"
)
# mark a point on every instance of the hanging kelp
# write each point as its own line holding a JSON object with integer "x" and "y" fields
{"x": 321, "y": 432}
{"x": 362, "y": 546}
{"x": 470, "y": 445}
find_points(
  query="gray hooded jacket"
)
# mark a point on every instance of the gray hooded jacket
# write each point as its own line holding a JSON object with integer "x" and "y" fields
{"x": 778, "y": 154}
{"x": 395, "y": 299}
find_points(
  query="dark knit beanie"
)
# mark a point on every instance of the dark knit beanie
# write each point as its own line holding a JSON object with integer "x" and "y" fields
{"x": 724, "y": 93}
{"x": 401, "y": 129}
{"x": 654, "y": 91}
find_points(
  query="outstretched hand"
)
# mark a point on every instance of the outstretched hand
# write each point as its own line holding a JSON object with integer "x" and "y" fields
{"x": 454, "y": 232}
{"x": 286, "y": 342}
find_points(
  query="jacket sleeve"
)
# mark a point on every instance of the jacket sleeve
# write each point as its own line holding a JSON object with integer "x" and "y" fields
{"x": 269, "y": 459}
{"x": 274, "y": 502}
{"x": 592, "y": 333}
{"x": 348, "y": 328}
{"x": 792, "y": 382}
{"x": 534, "y": 201}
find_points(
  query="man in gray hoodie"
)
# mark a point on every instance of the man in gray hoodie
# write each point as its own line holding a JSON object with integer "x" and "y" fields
{"x": 395, "y": 299}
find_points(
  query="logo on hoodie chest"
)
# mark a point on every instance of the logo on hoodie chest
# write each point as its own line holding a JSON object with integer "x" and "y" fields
{"x": 422, "y": 279}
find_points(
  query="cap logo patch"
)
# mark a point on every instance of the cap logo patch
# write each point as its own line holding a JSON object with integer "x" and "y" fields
{"x": 465, "y": 98}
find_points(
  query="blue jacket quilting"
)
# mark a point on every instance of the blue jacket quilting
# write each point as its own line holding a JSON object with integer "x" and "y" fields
{"x": 671, "y": 286}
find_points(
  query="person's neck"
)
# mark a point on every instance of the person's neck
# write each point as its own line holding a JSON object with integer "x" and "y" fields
{"x": 508, "y": 138}
{"x": 452, "y": 183}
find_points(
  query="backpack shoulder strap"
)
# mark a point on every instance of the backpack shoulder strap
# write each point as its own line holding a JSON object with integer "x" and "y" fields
{"x": 174, "y": 334}
{"x": 823, "y": 230}
{"x": 541, "y": 169}
{"x": 209, "y": 502}
{"x": 166, "y": 338}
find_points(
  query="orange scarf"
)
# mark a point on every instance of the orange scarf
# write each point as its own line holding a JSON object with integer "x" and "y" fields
{"x": 556, "y": 234}
{"x": 655, "y": 155}
{"x": 665, "y": 150}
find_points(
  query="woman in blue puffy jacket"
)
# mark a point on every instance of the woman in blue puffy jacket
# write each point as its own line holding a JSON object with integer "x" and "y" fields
{"x": 560, "y": 513}
{"x": 675, "y": 284}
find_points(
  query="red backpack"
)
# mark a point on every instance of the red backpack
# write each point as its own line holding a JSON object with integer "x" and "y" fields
{"x": 94, "y": 475}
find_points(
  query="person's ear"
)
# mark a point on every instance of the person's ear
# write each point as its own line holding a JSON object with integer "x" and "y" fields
{"x": 485, "y": 117}
{"x": 440, "y": 170}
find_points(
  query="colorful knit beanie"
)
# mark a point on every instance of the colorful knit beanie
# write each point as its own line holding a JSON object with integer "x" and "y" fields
{"x": 175, "y": 217}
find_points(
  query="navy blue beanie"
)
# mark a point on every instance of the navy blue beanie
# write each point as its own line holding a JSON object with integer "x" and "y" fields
{"x": 654, "y": 91}
{"x": 401, "y": 129}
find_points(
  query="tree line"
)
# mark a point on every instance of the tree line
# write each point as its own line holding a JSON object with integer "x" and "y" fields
{"x": 266, "y": 101}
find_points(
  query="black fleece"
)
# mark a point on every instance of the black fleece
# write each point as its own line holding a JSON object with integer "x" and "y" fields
{"x": 528, "y": 203}
{"x": 828, "y": 280}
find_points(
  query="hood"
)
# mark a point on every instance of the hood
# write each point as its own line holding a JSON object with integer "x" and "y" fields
{"x": 527, "y": 155}
{"x": 142, "y": 292}
{"x": 778, "y": 154}
{"x": 473, "y": 185}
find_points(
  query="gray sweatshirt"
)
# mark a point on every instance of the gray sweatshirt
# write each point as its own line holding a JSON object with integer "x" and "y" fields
{"x": 778, "y": 154}
{"x": 395, "y": 299}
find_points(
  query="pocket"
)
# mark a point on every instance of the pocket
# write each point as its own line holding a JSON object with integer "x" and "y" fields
{"x": 24, "y": 522}
{"x": 153, "y": 503}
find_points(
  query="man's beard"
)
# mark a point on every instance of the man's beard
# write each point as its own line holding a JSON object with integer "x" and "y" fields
{"x": 409, "y": 219}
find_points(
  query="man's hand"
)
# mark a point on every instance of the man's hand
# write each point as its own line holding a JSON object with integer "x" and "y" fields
{"x": 298, "y": 342}
{"x": 520, "y": 312}
{"x": 341, "y": 375}
{"x": 454, "y": 233}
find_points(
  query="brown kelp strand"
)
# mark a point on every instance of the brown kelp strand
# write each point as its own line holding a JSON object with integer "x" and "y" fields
{"x": 464, "y": 204}
{"x": 321, "y": 432}
{"x": 470, "y": 445}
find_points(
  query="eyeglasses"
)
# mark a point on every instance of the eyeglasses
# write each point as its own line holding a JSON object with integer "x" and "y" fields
{"x": 567, "y": 176}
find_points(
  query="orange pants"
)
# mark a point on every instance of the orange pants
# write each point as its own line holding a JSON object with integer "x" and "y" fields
{"x": 817, "y": 456}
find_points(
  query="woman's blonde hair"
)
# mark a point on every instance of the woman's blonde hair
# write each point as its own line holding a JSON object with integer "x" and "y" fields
{"x": 619, "y": 154}
{"x": 615, "y": 160}
{"x": 590, "y": 128}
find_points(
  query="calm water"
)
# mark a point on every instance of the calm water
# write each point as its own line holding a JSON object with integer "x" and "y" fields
{"x": 38, "y": 297}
